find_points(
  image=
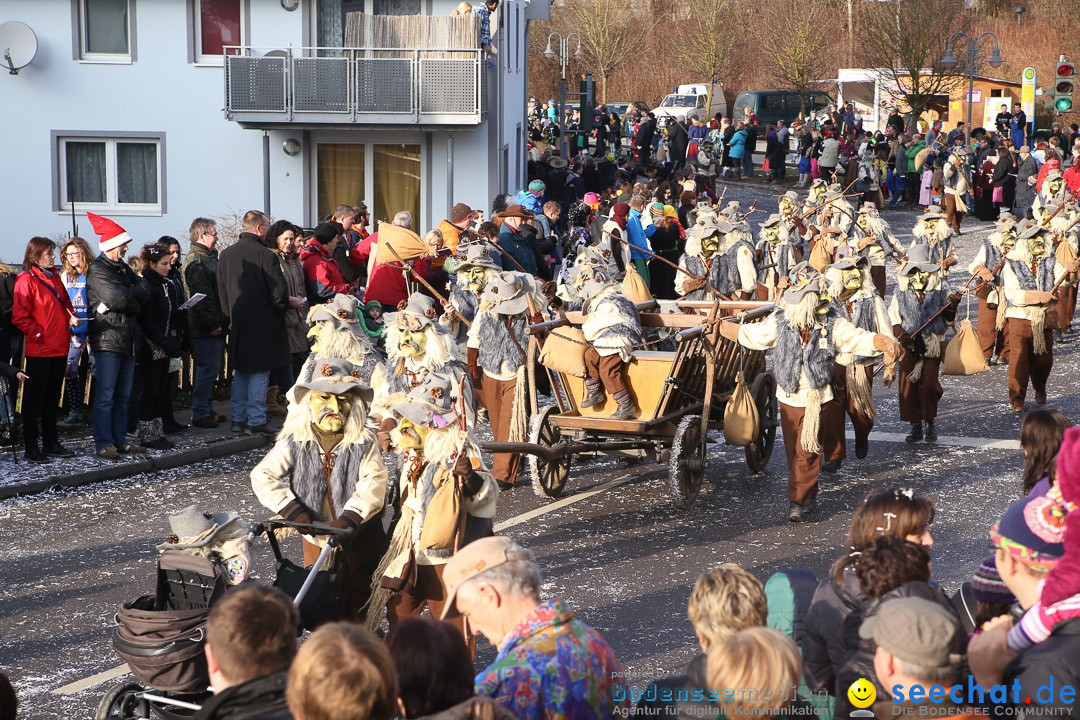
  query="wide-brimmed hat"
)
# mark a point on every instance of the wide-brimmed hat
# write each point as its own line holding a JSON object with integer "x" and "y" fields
{"x": 847, "y": 258}
{"x": 331, "y": 375}
{"x": 803, "y": 279}
{"x": 477, "y": 255}
{"x": 430, "y": 403}
{"x": 1032, "y": 230}
{"x": 792, "y": 196}
{"x": 508, "y": 292}
{"x": 557, "y": 163}
{"x": 932, "y": 211}
{"x": 771, "y": 221}
{"x": 1053, "y": 175}
{"x": 516, "y": 211}
{"x": 340, "y": 311}
{"x": 193, "y": 528}
{"x": 711, "y": 226}
{"x": 918, "y": 258}
{"x": 419, "y": 308}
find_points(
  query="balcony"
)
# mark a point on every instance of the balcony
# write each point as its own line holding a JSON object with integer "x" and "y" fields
{"x": 320, "y": 87}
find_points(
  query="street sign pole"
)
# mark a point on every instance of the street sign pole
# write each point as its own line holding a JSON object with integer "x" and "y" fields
{"x": 1027, "y": 97}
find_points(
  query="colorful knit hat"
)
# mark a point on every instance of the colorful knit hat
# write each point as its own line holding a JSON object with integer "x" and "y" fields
{"x": 1033, "y": 531}
{"x": 987, "y": 585}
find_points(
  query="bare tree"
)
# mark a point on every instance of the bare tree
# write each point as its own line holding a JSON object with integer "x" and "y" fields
{"x": 904, "y": 43}
{"x": 708, "y": 38}
{"x": 610, "y": 31}
{"x": 794, "y": 42}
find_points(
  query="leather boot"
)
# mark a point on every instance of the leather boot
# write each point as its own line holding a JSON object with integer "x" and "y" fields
{"x": 594, "y": 394}
{"x": 916, "y": 433}
{"x": 626, "y": 409}
{"x": 273, "y": 407}
{"x": 931, "y": 432}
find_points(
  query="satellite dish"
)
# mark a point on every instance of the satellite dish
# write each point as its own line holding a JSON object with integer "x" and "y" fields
{"x": 18, "y": 45}
{"x": 277, "y": 54}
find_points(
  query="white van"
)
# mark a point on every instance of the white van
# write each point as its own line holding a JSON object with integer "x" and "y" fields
{"x": 690, "y": 100}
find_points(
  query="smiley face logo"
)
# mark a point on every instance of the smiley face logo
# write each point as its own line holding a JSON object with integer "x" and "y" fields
{"x": 862, "y": 693}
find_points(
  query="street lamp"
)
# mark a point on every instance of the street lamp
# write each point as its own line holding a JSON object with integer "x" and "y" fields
{"x": 949, "y": 62}
{"x": 564, "y": 59}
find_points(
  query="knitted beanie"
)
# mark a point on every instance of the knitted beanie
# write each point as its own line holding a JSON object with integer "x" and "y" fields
{"x": 987, "y": 585}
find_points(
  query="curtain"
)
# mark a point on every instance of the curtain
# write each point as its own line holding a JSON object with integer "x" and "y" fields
{"x": 85, "y": 171}
{"x": 397, "y": 182}
{"x": 396, "y": 7}
{"x": 219, "y": 25}
{"x": 106, "y": 26}
{"x": 136, "y": 173}
{"x": 340, "y": 175}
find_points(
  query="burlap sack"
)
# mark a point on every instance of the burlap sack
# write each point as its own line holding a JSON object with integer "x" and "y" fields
{"x": 564, "y": 351}
{"x": 920, "y": 158}
{"x": 741, "y": 420}
{"x": 1065, "y": 253}
{"x": 820, "y": 257}
{"x": 444, "y": 515}
{"x": 634, "y": 286}
{"x": 964, "y": 354}
{"x": 405, "y": 243}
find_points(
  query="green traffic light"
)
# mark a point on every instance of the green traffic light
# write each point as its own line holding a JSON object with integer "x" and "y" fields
{"x": 1063, "y": 104}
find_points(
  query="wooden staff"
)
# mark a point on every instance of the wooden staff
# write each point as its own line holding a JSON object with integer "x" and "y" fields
{"x": 684, "y": 271}
{"x": 422, "y": 281}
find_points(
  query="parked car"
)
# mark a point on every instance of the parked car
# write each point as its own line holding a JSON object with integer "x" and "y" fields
{"x": 690, "y": 100}
{"x": 773, "y": 105}
{"x": 621, "y": 107}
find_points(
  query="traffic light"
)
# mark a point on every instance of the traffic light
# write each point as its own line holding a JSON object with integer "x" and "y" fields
{"x": 1063, "y": 86}
{"x": 586, "y": 104}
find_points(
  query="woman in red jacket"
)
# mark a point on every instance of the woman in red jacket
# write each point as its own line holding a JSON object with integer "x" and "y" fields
{"x": 43, "y": 312}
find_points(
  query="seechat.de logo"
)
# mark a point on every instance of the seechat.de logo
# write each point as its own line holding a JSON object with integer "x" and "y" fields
{"x": 862, "y": 694}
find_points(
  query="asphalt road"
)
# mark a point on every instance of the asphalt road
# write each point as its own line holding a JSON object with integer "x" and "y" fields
{"x": 624, "y": 557}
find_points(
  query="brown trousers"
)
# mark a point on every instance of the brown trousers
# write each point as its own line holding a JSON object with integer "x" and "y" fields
{"x": 919, "y": 401}
{"x": 1066, "y": 306}
{"x": 1024, "y": 364}
{"x": 877, "y": 274}
{"x": 497, "y": 397}
{"x": 427, "y": 590}
{"x": 356, "y": 564}
{"x": 607, "y": 369}
{"x": 837, "y": 450}
{"x": 952, "y": 216}
{"x": 993, "y": 341}
{"x": 804, "y": 467}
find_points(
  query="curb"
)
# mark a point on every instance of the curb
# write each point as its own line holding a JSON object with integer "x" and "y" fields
{"x": 166, "y": 461}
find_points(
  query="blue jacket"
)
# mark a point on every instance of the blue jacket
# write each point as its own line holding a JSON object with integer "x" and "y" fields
{"x": 737, "y": 145}
{"x": 638, "y": 236}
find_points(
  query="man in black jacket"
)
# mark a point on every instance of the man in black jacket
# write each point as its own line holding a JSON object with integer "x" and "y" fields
{"x": 255, "y": 297}
{"x": 250, "y": 644}
{"x": 209, "y": 326}
{"x": 115, "y": 297}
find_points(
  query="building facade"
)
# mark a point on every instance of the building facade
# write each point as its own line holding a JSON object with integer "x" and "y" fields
{"x": 154, "y": 112}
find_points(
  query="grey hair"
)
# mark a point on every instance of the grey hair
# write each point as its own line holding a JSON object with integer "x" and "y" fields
{"x": 403, "y": 219}
{"x": 514, "y": 577}
{"x": 938, "y": 675}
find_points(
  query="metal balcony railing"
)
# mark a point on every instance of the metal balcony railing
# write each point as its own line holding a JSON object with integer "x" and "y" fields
{"x": 315, "y": 85}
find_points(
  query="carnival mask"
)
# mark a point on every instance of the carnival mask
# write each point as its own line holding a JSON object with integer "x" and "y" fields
{"x": 787, "y": 207}
{"x": 329, "y": 410}
{"x": 1037, "y": 246}
{"x": 313, "y": 335}
{"x": 412, "y": 338}
{"x": 919, "y": 280}
{"x": 473, "y": 278}
{"x": 1054, "y": 186}
{"x": 824, "y": 301}
{"x": 863, "y": 222}
{"x": 772, "y": 235}
{"x": 1008, "y": 241}
{"x": 930, "y": 225}
{"x": 710, "y": 245}
{"x": 851, "y": 278}
{"x": 409, "y": 436}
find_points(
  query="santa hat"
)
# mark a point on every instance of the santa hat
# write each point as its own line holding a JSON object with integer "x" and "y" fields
{"x": 112, "y": 235}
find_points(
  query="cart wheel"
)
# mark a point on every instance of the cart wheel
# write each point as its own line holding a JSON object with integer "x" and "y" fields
{"x": 758, "y": 453}
{"x": 686, "y": 468}
{"x": 123, "y": 703}
{"x": 548, "y": 477}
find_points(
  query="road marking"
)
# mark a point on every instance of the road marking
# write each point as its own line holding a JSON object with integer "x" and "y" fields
{"x": 79, "y": 685}
{"x": 558, "y": 504}
{"x": 953, "y": 440}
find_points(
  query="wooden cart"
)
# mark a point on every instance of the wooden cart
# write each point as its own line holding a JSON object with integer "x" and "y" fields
{"x": 681, "y": 396}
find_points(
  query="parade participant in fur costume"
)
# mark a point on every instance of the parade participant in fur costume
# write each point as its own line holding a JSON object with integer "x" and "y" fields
{"x": 775, "y": 258}
{"x": 435, "y": 448}
{"x": 474, "y": 270}
{"x": 336, "y": 332}
{"x": 992, "y": 302}
{"x": 497, "y": 355}
{"x": 722, "y": 255}
{"x": 1030, "y": 273}
{"x": 836, "y": 211}
{"x": 417, "y": 344}
{"x": 803, "y": 338}
{"x": 791, "y": 210}
{"x": 612, "y": 328}
{"x": 856, "y": 299}
{"x": 873, "y": 239}
{"x": 933, "y": 231}
{"x": 593, "y": 257}
{"x": 956, "y": 186}
{"x": 326, "y": 467}
{"x": 1064, "y": 232}
{"x": 921, "y": 292}
{"x": 1051, "y": 195}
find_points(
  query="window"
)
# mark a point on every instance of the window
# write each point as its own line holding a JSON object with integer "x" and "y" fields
{"x": 773, "y": 101}
{"x": 121, "y": 173}
{"x": 340, "y": 176}
{"x": 217, "y": 24}
{"x": 104, "y": 30}
{"x": 331, "y": 18}
{"x": 386, "y": 175}
{"x": 395, "y": 7}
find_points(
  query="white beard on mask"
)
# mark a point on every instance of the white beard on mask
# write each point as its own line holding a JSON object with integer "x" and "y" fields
{"x": 803, "y": 314}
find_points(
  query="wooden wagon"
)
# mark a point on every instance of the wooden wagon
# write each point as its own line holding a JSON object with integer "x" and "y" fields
{"x": 681, "y": 395}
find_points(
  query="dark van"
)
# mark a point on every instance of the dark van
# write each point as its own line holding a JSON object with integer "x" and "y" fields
{"x": 773, "y": 105}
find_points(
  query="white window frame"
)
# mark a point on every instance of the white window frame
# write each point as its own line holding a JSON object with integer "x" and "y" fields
{"x": 112, "y": 205}
{"x": 80, "y": 40}
{"x": 199, "y": 58}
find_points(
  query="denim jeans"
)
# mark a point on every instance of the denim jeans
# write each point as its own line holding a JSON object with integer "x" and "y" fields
{"x": 894, "y": 181}
{"x": 748, "y": 162}
{"x": 249, "y": 397}
{"x": 209, "y": 354}
{"x": 112, "y": 377}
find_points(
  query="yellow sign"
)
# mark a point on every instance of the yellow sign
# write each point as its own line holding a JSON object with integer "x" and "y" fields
{"x": 862, "y": 693}
{"x": 1027, "y": 92}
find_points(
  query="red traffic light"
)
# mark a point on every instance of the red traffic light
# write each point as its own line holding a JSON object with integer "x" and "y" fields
{"x": 1065, "y": 69}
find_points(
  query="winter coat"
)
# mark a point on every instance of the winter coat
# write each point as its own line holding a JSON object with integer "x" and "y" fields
{"x": 387, "y": 283}
{"x": 911, "y": 152}
{"x": 157, "y": 320}
{"x": 174, "y": 283}
{"x": 41, "y": 311}
{"x": 475, "y": 708}
{"x": 679, "y": 140}
{"x": 789, "y": 594}
{"x": 517, "y": 244}
{"x": 645, "y": 134}
{"x": 295, "y": 318}
{"x": 830, "y": 152}
{"x": 321, "y": 273}
{"x": 823, "y": 646}
{"x": 7, "y": 299}
{"x": 1055, "y": 662}
{"x": 260, "y": 699}
{"x": 736, "y": 147}
{"x": 200, "y": 276}
{"x": 116, "y": 296}
{"x": 254, "y": 296}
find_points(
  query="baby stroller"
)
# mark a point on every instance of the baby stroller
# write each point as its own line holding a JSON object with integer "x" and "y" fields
{"x": 161, "y": 636}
